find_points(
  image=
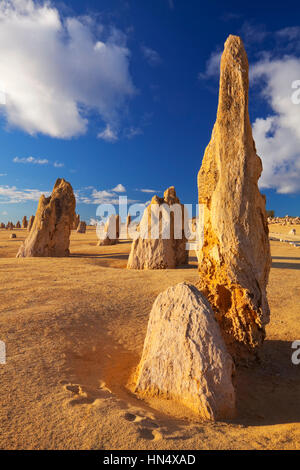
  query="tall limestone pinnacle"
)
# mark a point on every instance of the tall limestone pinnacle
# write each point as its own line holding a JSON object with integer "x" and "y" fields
{"x": 234, "y": 262}
{"x": 50, "y": 232}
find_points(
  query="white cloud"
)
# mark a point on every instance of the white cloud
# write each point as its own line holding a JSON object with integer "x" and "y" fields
{"x": 35, "y": 161}
{"x": 277, "y": 136}
{"x": 108, "y": 134}
{"x": 212, "y": 68}
{"x": 119, "y": 188}
{"x": 291, "y": 33}
{"x": 253, "y": 33}
{"x": 3, "y": 174}
{"x": 13, "y": 195}
{"x": 91, "y": 195}
{"x": 148, "y": 190}
{"x": 55, "y": 70}
{"x": 152, "y": 57}
{"x": 132, "y": 132}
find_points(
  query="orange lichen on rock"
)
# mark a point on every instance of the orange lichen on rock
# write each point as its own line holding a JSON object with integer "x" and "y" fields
{"x": 234, "y": 262}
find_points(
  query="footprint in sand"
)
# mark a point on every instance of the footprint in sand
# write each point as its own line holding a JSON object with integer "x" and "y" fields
{"x": 133, "y": 418}
{"x": 148, "y": 430}
{"x": 150, "y": 434}
{"x": 85, "y": 396}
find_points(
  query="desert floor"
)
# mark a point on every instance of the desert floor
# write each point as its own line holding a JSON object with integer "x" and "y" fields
{"x": 74, "y": 331}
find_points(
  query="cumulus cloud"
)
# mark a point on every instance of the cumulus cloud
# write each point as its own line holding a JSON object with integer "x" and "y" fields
{"x": 91, "y": 195}
{"x": 56, "y": 70}
{"x": 153, "y": 58}
{"x": 277, "y": 133}
{"x": 13, "y": 195}
{"x": 119, "y": 188}
{"x": 277, "y": 136}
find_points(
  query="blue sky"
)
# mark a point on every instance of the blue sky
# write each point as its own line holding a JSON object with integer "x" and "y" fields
{"x": 120, "y": 97}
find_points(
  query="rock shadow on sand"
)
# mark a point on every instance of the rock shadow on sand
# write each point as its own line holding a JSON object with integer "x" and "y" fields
{"x": 268, "y": 392}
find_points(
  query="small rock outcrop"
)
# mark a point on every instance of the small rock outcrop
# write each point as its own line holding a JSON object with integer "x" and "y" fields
{"x": 13, "y": 235}
{"x": 76, "y": 221}
{"x": 162, "y": 242}
{"x": 292, "y": 232}
{"x": 234, "y": 262}
{"x": 111, "y": 231}
{"x": 128, "y": 222}
{"x": 50, "y": 233}
{"x": 30, "y": 223}
{"x": 81, "y": 227}
{"x": 184, "y": 357}
{"x": 24, "y": 222}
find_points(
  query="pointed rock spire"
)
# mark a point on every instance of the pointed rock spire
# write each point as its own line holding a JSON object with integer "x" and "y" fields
{"x": 234, "y": 262}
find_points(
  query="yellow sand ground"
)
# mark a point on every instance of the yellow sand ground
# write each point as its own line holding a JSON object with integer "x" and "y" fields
{"x": 74, "y": 330}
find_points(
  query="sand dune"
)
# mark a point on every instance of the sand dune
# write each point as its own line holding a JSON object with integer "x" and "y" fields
{"x": 74, "y": 330}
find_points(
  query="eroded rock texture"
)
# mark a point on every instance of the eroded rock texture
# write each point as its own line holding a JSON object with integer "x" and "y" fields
{"x": 76, "y": 222}
{"x": 50, "y": 233}
{"x": 162, "y": 242}
{"x": 30, "y": 223}
{"x": 24, "y": 222}
{"x": 234, "y": 262}
{"x": 81, "y": 227}
{"x": 184, "y": 357}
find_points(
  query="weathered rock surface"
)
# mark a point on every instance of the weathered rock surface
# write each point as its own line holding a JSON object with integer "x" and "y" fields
{"x": 184, "y": 357}
{"x": 30, "y": 223}
{"x": 18, "y": 224}
{"x": 13, "y": 235}
{"x": 50, "y": 233}
{"x": 76, "y": 222}
{"x": 81, "y": 227}
{"x": 24, "y": 222}
{"x": 235, "y": 259}
{"x": 111, "y": 231}
{"x": 128, "y": 222}
{"x": 161, "y": 251}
